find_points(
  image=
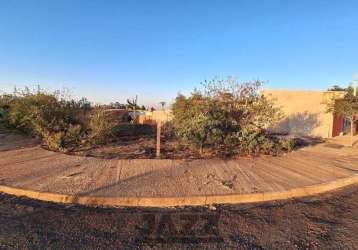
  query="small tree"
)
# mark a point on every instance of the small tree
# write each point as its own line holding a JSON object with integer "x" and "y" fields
{"x": 337, "y": 88}
{"x": 133, "y": 104}
{"x": 162, "y": 104}
{"x": 346, "y": 106}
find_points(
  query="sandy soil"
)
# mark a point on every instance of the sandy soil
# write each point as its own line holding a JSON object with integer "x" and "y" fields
{"x": 42, "y": 170}
{"x": 135, "y": 143}
{"x": 12, "y": 140}
{"x": 141, "y": 147}
{"x": 326, "y": 222}
{"x": 144, "y": 147}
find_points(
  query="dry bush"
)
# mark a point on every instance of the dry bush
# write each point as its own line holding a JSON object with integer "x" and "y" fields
{"x": 65, "y": 140}
{"x": 101, "y": 126}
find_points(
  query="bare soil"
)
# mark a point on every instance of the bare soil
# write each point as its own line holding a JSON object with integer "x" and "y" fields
{"x": 136, "y": 142}
{"x": 10, "y": 140}
{"x": 132, "y": 142}
{"x": 141, "y": 147}
{"x": 329, "y": 221}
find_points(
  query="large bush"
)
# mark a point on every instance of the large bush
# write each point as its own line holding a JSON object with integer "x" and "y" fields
{"x": 58, "y": 120}
{"x": 227, "y": 117}
{"x": 5, "y": 101}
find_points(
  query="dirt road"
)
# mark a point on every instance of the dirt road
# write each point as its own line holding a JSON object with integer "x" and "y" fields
{"x": 326, "y": 222}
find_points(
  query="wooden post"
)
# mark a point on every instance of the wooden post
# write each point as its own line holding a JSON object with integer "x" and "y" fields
{"x": 352, "y": 131}
{"x": 158, "y": 138}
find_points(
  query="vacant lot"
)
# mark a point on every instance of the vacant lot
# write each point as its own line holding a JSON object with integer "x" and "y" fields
{"x": 326, "y": 222}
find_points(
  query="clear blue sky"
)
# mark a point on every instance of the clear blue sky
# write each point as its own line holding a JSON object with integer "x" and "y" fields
{"x": 111, "y": 50}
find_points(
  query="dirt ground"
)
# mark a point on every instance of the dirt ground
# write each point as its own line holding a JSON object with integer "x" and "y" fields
{"x": 12, "y": 140}
{"x": 140, "y": 147}
{"x": 136, "y": 142}
{"x": 329, "y": 221}
{"x": 131, "y": 142}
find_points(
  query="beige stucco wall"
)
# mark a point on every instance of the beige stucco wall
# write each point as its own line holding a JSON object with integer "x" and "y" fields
{"x": 156, "y": 116}
{"x": 305, "y": 112}
{"x": 163, "y": 116}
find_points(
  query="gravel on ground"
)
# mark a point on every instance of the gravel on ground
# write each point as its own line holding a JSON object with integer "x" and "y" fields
{"x": 328, "y": 221}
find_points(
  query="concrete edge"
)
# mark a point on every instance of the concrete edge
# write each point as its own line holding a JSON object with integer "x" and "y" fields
{"x": 182, "y": 201}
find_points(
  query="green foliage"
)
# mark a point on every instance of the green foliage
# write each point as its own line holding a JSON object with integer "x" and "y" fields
{"x": 226, "y": 116}
{"x": 337, "y": 88}
{"x": 162, "y": 103}
{"x": 5, "y": 104}
{"x": 191, "y": 119}
{"x": 168, "y": 130}
{"x": 116, "y": 105}
{"x": 36, "y": 114}
{"x": 40, "y": 112}
{"x": 64, "y": 140}
{"x": 132, "y": 104}
{"x": 287, "y": 144}
{"x": 50, "y": 116}
{"x": 4, "y": 118}
{"x": 100, "y": 126}
{"x": 347, "y": 107}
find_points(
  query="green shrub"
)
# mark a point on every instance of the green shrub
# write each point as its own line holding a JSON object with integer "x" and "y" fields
{"x": 4, "y": 118}
{"x": 227, "y": 117}
{"x": 62, "y": 123}
{"x": 41, "y": 112}
{"x": 101, "y": 126}
{"x": 191, "y": 119}
{"x": 64, "y": 140}
{"x": 287, "y": 144}
{"x": 50, "y": 116}
{"x": 168, "y": 130}
{"x": 5, "y": 101}
{"x": 55, "y": 141}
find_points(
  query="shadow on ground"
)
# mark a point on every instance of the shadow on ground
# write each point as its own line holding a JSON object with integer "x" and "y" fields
{"x": 326, "y": 222}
